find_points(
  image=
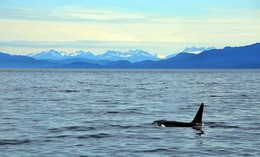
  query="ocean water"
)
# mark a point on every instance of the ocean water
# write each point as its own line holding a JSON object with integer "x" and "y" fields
{"x": 48, "y": 112}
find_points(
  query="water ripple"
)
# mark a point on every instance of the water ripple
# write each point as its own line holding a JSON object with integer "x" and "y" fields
{"x": 13, "y": 142}
{"x": 154, "y": 150}
{"x": 71, "y": 128}
{"x": 97, "y": 136}
{"x": 69, "y": 91}
{"x": 220, "y": 125}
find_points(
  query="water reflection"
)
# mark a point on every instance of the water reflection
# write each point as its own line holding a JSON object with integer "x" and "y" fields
{"x": 199, "y": 130}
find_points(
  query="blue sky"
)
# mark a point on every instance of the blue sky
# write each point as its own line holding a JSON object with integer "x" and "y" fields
{"x": 160, "y": 27}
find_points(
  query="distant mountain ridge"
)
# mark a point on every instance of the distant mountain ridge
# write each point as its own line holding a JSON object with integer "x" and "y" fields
{"x": 16, "y": 61}
{"x": 192, "y": 50}
{"x": 241, "y": 57}
{"x": 228, "y": 57}
{"x": 131, "y": 56}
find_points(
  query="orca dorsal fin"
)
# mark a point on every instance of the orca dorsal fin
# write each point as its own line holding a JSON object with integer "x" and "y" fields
{"x": 198, "y": 118}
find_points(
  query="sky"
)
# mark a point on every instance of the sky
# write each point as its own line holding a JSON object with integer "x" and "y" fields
{"x": 160, "y": 27}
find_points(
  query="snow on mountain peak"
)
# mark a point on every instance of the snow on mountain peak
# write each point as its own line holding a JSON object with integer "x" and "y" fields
{"x": 132, "y": 55}
{"x": 64, "y": 53}
{"x": 197, "y": 50}
{"x": 47, "y": 54}
{"x": 81, "y": 53}
{"x": 139, "y": 52}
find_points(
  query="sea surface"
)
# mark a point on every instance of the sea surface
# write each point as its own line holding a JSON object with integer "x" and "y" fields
{"x": 49, "y": 112}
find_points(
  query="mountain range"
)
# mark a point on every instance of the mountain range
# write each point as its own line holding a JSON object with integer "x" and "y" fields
{"x": 131, "y": 56}
{"x": 228, "y": 57}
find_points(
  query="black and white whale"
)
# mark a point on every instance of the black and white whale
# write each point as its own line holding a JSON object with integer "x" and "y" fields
{"x": 196, "y": 122}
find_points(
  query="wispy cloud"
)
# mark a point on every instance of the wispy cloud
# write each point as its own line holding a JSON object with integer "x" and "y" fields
{"x": 76, "y": 14}
{"x": 25, "y": 14}
{"x": 232, "y": 12}
{"x": 80, "y": 44}
{"x": 97, "y": 14}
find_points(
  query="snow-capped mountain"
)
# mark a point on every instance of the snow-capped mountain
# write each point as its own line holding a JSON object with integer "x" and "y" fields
{"x": 82, "y": 54}
{"x": 197, "y": 50}
{"x": 55, "y": 55}
{"x": 48, "y": 54}
{"x": 132, "y": 55}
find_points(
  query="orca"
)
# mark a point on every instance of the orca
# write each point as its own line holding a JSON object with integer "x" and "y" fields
{"x": 196, "y": 122}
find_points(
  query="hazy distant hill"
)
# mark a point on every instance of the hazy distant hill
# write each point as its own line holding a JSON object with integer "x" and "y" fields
{"x": 14, "y": 61}
{"x": 229, "y": 57}
{"x": 82, "y": 60}
{"x": 191, "y": 50}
